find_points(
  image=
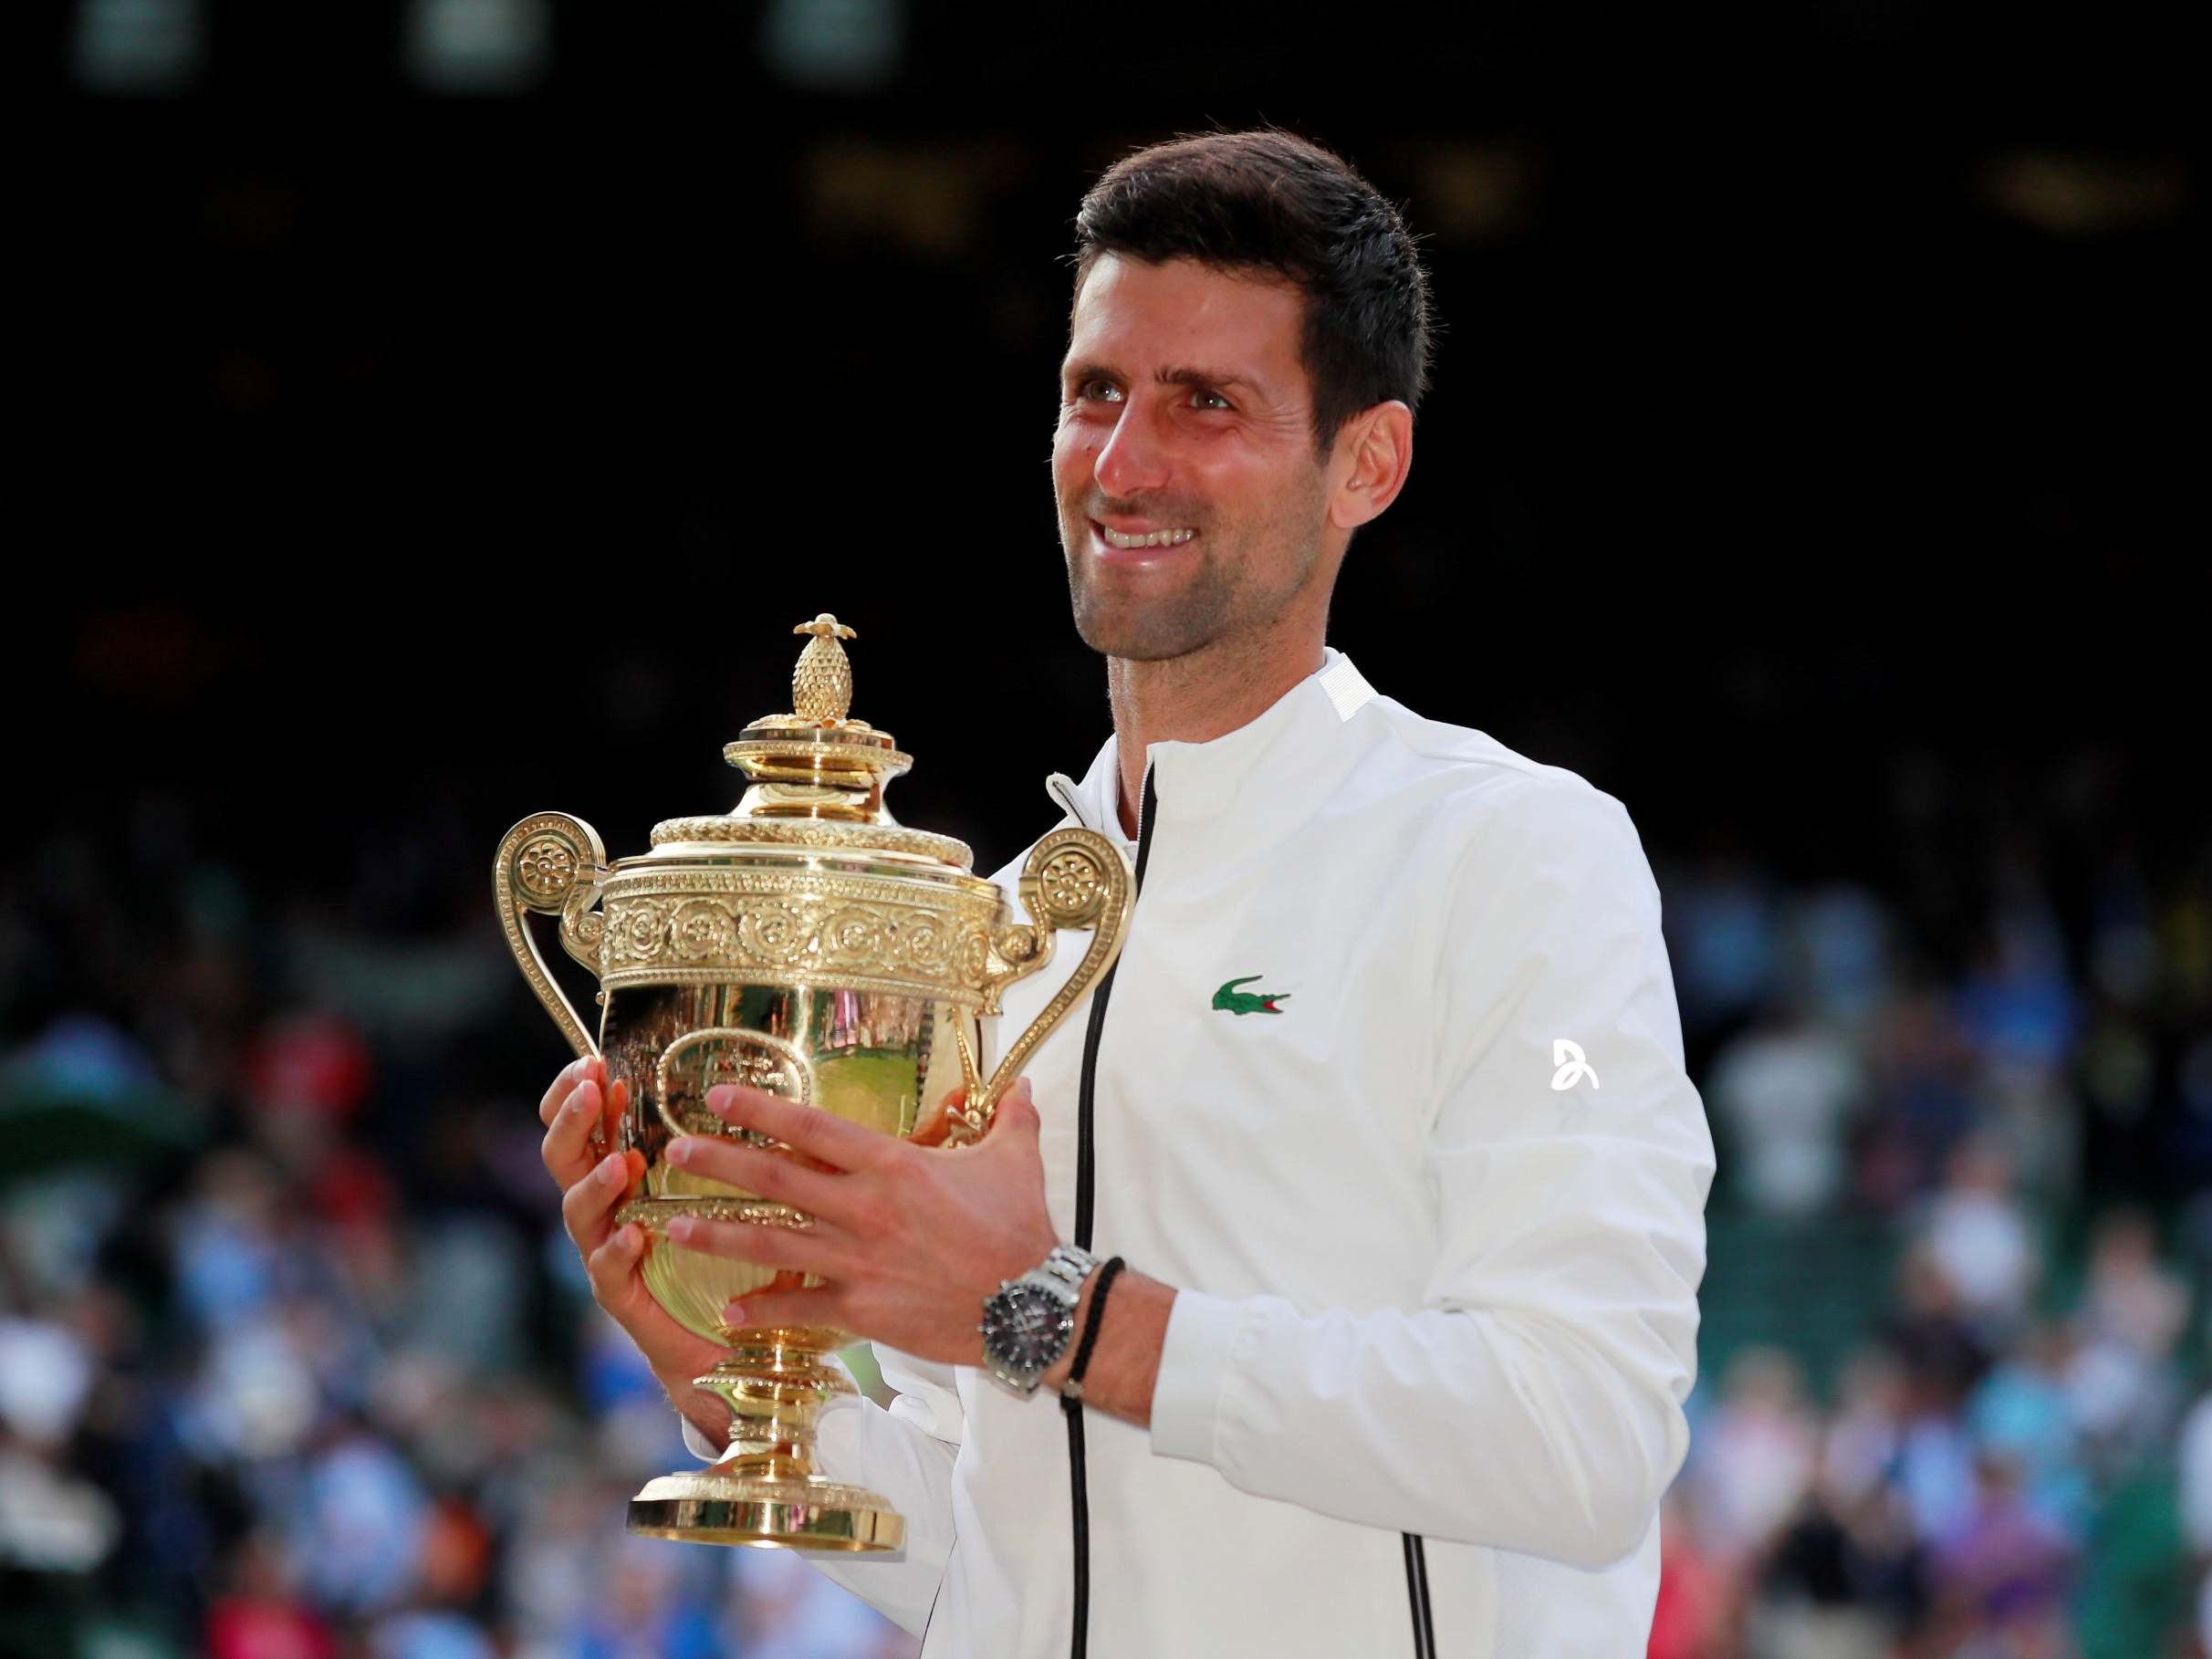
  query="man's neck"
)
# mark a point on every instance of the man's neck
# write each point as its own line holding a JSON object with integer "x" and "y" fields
{"x": 1195, "y": 699}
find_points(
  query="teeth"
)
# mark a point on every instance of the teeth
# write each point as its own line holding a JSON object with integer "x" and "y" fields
{"x": 1156, "y": 538}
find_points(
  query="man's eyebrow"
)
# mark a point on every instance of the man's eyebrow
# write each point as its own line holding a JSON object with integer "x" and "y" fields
{"x": 1078, "y": 374}
{"x": 1206, "y": 377}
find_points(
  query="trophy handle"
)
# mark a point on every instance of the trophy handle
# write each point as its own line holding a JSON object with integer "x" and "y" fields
{"x": 553, "y": 864}
{"x": 1074, "y": 878}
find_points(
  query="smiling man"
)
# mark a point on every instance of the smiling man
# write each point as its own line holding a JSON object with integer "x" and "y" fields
{"x": 1392, "y": 1349}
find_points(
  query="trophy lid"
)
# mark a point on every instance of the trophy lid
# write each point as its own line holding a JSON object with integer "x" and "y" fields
{"x": 817, "y": 776}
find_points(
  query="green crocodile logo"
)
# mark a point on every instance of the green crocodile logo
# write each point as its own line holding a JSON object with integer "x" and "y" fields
{"x": 1248, "y": 1002}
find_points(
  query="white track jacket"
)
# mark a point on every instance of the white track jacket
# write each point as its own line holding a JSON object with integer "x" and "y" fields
{"x": 1432, "y": 1196}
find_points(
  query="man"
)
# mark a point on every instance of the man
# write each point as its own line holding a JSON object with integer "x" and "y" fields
{"x": 1384, "y": 1106}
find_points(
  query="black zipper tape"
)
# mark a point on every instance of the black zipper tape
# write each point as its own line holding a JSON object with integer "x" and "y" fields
{"x": 1417, "y": 1594}
{"x": 1079, "y": 1644}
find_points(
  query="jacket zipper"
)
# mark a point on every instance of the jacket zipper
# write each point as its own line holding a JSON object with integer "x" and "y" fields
{"x": 1417, "y": 1593}
{"x": 1416, "y": 1551}
{"x": 1148, "y": 812}
{"x": 1062, "y": 790}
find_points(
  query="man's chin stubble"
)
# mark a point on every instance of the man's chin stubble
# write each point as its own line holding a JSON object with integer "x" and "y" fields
{"x": 1157, "y": 633}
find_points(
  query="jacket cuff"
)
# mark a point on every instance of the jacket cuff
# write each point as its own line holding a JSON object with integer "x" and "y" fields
{"x": 1194, "y": 1365}
{"x": 698, "y": 1445}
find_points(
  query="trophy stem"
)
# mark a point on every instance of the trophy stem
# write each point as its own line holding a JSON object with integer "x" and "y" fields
{"x": 766, "y": 1491}
{"x": 775, "y": 1395}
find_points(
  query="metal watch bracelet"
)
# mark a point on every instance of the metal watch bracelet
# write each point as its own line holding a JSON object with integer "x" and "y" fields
{"x": 1060, "y": 1278}
{"x": 1066, "y": 1268}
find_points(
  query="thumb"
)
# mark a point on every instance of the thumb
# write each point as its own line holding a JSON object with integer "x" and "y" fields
{"x": 1017, "y": 1111}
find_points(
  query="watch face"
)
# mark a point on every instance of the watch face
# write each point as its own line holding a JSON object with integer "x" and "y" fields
{"x": 1024, "y": 1329}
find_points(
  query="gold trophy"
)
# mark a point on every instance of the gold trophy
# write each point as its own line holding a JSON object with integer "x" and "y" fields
{"x": 809, "y": 943}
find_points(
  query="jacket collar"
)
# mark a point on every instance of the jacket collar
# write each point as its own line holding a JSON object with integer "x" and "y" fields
{"x": 1283, "y": 757}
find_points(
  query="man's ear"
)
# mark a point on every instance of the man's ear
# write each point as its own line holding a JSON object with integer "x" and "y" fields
{"x": 1375, "y": 451}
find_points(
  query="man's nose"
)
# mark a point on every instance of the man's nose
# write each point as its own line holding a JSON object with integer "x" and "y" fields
{"x": 1135, "y": 457}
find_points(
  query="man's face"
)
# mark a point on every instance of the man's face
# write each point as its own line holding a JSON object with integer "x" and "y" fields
{"x": 1192, "y": 503}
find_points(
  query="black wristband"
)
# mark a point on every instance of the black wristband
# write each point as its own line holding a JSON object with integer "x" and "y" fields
{"x": 1073, "y": 1387}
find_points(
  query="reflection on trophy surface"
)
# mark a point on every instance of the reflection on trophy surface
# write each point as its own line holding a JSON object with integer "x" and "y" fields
{"x": 807, "y": 944}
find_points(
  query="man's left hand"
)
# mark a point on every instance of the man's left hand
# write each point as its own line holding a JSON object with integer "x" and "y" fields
{"x": 908, "y": 1240}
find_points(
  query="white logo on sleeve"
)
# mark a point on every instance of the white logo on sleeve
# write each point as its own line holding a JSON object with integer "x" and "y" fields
{"x": 1567, "y": 1055}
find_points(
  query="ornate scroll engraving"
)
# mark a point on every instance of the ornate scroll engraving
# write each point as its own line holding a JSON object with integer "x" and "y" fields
{"x": 861, "y": 838}
{"x": 1073, "y": 878}
{"x": 546, "y": 867}
{"x": 1072, "y": 884}
{"x": 806, "y": 928}
{"x": 655, "y": 1214}
{"x": 553, "y": 864}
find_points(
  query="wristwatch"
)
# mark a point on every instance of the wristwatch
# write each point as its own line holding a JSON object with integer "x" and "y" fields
{"x": 1026, "y": 1326}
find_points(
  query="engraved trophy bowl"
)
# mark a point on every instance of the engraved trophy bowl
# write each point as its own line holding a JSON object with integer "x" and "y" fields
{"x": 807, "y": 944}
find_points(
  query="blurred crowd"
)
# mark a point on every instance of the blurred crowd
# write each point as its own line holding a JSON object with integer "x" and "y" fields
{"x": 295, "y": 1359}
{"x": 1980, "y": 1119}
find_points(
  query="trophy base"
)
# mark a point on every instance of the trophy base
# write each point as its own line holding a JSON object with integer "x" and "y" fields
{"x": 709, "y": 1506}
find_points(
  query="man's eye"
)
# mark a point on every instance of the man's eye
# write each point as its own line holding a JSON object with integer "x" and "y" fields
{"x": 1104, "y": 391}
{"x": 1208, "y": 400}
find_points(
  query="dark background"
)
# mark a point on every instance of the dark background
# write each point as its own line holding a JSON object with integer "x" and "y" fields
{"x": 1807, "y": 397}
{"x": 1809, "y": 462}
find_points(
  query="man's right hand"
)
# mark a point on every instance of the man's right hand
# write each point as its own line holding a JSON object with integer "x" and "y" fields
{"x": 581, "y": 1116}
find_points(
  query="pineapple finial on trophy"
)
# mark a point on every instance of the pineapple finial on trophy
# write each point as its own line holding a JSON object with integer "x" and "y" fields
{"x": 821, "y": 685}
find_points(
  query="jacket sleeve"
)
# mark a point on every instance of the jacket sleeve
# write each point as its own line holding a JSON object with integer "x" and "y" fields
{"x": 1533, "y": 1401}
{"x": 904, "y": 1454}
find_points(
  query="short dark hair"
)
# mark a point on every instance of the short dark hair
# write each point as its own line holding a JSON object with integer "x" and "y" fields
{"x": 1270, "y": 202}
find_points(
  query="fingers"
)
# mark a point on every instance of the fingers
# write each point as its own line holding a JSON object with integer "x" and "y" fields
{"x": 754, "y": 1169}
{"x": 1017, "y": 1110}
{"x": 573, "y": 1072}
{"x": 610, "y": 1267}
{"x": 819, "y": 1305}
{"x": 811, "y": 1249}
{"x": 807, "y": 1129}
{"x": 588, "y": 1204}
{"x": 617, "y": 1102}
{"x": 568, "y": 1149}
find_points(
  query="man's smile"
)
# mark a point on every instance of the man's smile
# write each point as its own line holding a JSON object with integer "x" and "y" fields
{"x": 1137, "y": 537}
{"x": 1145, "y": 539}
